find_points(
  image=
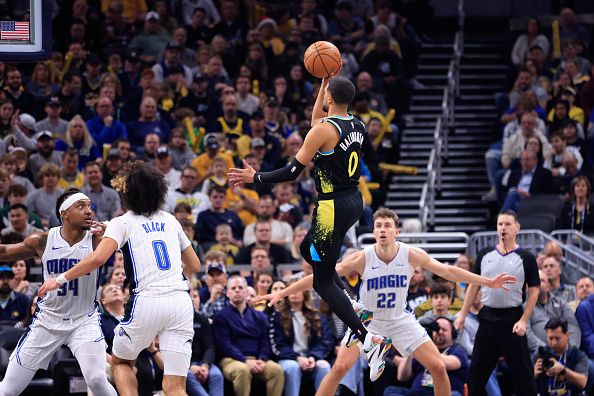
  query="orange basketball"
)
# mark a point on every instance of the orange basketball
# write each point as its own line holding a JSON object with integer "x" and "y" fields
{"x": 322, "y": 59}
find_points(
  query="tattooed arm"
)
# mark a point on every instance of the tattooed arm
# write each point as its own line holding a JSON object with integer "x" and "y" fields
{"x": 31, "y": 246}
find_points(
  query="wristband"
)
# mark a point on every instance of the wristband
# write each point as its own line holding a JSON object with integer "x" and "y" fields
{"x": 61, "y": 279}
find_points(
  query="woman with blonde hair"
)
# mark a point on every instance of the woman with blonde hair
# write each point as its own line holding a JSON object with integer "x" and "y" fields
{"x": 41, "y": 84}
{"x": 79, "y": 138}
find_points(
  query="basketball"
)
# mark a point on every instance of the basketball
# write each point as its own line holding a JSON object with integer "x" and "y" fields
{"x": 322, "y": 59}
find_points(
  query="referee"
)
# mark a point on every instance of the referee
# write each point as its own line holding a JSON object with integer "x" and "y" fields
{"x": 502, "y": 321}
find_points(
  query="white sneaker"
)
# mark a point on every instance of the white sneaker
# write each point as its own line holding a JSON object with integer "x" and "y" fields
{"x": 375, "y": 348}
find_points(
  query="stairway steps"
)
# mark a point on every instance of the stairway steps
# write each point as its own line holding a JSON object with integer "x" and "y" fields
{"x": 403, "y": 179}
{"x": 459, "y": 186}
{"x": 429, "y": 146}
{"x": 436, "y": 108}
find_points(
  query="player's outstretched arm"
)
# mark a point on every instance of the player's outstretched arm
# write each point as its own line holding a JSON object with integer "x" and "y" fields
{"x": 353, "y": 262}
{"x": 455, "y": 274}
{"x": 314, "y": 140}
{"x": 318, "y": 112}
{"x": 104, "y": 250}
{"x": 31, "y": 246}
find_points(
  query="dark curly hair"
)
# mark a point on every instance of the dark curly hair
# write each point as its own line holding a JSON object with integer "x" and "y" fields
{"x": 141, "y": 186}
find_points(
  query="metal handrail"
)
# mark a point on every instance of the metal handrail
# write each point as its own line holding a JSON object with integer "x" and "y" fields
{"x": 419, "y": 237}
{"x": 577, "y": 262}
{"x": 576, "y": 239}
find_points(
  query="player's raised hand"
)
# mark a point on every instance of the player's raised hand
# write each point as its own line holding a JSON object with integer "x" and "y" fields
{"x": 48, "y": 286}
{"x": 272, "y": 298}
{"x": 501, "y": 281}
{"x": 98, "y": 228}
{"x": 238, "y": 176}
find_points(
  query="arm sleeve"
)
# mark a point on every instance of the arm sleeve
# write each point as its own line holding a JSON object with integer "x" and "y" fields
{"x": 26, "y": 142}
{"x": 288, "y": 173}
{"x": 479, "y": 258}
{"x": 530, "y": 269}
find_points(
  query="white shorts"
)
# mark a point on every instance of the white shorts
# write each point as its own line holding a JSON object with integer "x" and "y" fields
{"x": 170, "y": 317}
{"x": 47, "y": 334}
{"x": 406, "y": 332}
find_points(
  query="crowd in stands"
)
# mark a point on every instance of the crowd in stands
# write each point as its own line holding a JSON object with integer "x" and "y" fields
{"x": 197, "y": 86}
{"x": 546, "y": 122}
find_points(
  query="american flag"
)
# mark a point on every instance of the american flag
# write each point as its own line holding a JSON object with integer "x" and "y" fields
{"x": 10, "y": 30}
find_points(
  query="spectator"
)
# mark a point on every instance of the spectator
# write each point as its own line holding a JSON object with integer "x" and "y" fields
{"x": 513, "y": 146}
{"x": 70, "y": 95}
{"x": 163, "y": 162}
{"x": 202, "y": 369}
{"x": 14, "y": 305}
{"x": 152, "y": 41}
{"x": 188, "y": 193}
{"x": 53, "y": 122}
{"x": 117, "y": 277}
{"x": 218, "y": 173}
{"x": 524, "y": 82}
{"x": 585, "y": 316}
{"x": 105, "y": 199}
{"x": 243, "y": 343}
{"x": 111, "y": 167}
{"x": 569, "y": 28}
{"x": 577, "y": 212}
{"x": 417, "y": 289}
{"x": 78, "y": 138}
{"x": 246, "y": 101}
{"x": 346, "y": 26}
{"x": 17, "y": 194}
{"x": 19, "y": 221}
{"x": 559, "y": 151}
{"x": 103, "y": 127}
{"x": 45, "y": 153}
{"x": 23, "y": 128}
{"x": 444, "y": 335}
{"x": 171, "y": 59}
{"x": 298, "y": 236}
{"x": 232, "y": 121}
{"x": 209, "y": 219}
{"x": 504, "y": 316}
{"x": 262, "y": 280}
{"x": 112, "y": 301}
{"x": 584, "y": 287}
{"x": 21, "y": 284}
{"x": 273, "y": 146}
{"x": 440, "y": 296}
{"x": 552, "y": 269}
{"x": 204, "y": 161}
{"x": 181, "y": 154}
{"x": 547, "y": 308}
{"x": 148, "y": 152}
{"x": 553, "y": 249}
{"x": 560, "y": 367}
{"x": 9, "y": 164}
{"x": 527, "y": 40}
{"x": 263, "y": 234}
{"x": 15, "y": 92}
{"x": 530, "y": 180}
{"x": 71, "y": 176}
{"x": 43, "y": 200}
{"x": 301, "y": 339}
{"x": 282, "y": 233}
{"x": 148, "y": 123}
{"x": 224, "y": 235}
{"x": 287, "y": 210}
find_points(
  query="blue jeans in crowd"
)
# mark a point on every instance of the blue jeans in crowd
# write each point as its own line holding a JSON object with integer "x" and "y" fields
{"x": 215, "y": 382}
{"x": 512, "y": 202}
{"x": 293, "y": 375}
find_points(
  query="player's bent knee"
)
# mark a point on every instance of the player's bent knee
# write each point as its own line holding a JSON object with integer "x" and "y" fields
{"x": 437, "y": 367}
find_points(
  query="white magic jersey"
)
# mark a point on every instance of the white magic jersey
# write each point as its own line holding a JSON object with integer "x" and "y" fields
{"x": 384, "y": 287}
{"x": 152, "y": 249}
{"x": 77, "y": 297}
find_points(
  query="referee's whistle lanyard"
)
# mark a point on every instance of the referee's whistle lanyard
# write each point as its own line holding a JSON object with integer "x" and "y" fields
{"x": 580, "y": 219}
{"x": 552, "y": 382}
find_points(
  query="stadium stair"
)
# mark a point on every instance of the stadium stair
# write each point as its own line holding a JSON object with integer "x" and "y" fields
{"x": 459, "y": 207}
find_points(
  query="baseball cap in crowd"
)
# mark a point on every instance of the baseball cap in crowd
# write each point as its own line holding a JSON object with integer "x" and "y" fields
{"x": 5, "y": 270}
{"x": 211, "y": 141}
{"x": 113, "y": 152}
{"x": 27, "y": 120}
{"x": 271, "y": 101}
{"x": 568, "y": 90}
{"x": 132, "y": 56}
{"x": 216, "y": 267}
{"x": 257, "y": 142}
{"x": 93, "y": 59}
{"x": 151, "y": 15}
{"x": 173, "y": 45}
{"x": 257, "y": 115}
{"x": 162, "y": 151}
{"x": 54, "y": 101}
{"x": 43, "y": 134}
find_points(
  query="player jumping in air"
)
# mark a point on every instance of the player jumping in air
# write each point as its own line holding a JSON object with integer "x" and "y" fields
{"x": 334, "y": 144}
{"x": 386, "y": 268}
{"x": 70, "y": 316}
{"x": 157, "y": 255}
